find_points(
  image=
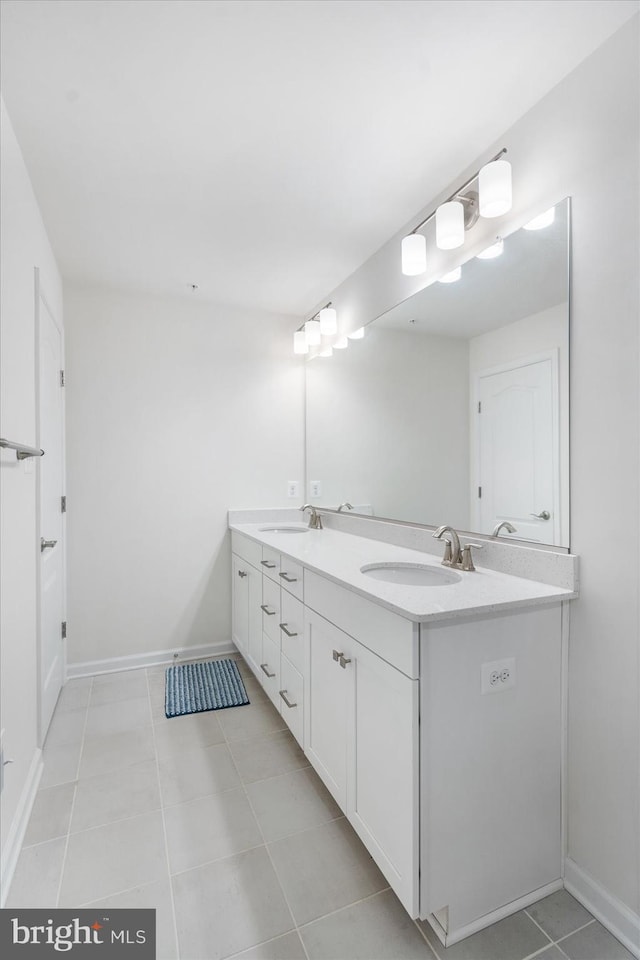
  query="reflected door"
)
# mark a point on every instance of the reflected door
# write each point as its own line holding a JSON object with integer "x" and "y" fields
{"x": 517, "y": 454}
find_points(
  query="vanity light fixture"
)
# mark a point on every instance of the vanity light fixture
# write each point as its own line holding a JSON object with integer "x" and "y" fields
{"x": 452, "y": 276}
{"x": 312, "y": 333}
{"x": 328, "y": 321}
{"x": 542, "y": 220}
{"x": 493, "y": 251}
{"x": 357, "y": 334}
{"x": 460, "y": 212}
{"x": 322, "y": 323}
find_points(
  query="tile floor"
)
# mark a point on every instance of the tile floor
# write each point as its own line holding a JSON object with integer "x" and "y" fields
{"x": 218, "y": 822}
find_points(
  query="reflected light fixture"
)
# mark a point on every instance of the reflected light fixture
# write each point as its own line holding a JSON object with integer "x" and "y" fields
{"x": 323, "y": 323}
{"x": 452, "y": 276}
{"x": 493, "y": 251}
{"x": 328, "y": 321}
{"x": 460, "y": 212}
{"x": 300, "y": 345}
{"x": 357, "y": 334}
{"x": 312, "y": 333}
{"x": 542, "y": 220}
{"x": 326, "y": 351}
{"x": 341, "y": 343}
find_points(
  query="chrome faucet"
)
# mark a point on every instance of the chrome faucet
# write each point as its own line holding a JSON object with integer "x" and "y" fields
{"x": 505, "y": 525}
{"x": 315, "y": 520}
{"x": 346, "y": 504}
{"x": 452, "y": 555}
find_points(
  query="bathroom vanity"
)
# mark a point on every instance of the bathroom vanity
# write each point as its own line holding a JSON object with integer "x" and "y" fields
{"x": 432, "y": 711}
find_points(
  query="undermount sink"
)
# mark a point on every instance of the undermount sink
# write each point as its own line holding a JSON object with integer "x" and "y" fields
{"x": 285, "y": 528}
{"x": 411, "y": 574}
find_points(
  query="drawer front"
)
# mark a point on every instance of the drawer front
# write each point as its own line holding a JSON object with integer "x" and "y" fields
{"x": 271, "y": 609}
{"x": 291, "y": 693}
{"x": 292, "y": 622}
{"x": 269, "y": 673}
{"x": 270, "y": 563}
{"x": 291, "y": 576}
{"x": 248, "y": 550}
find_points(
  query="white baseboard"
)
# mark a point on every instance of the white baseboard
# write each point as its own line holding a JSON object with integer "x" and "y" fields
{"x": 619, "y": 919}
{"x": 18, "y": 828}
{"x": 135, "y": 661}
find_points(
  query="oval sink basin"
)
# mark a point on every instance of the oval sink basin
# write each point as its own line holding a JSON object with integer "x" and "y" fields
{"x": 411, "y": 574}
{"x": 284, "y": 528}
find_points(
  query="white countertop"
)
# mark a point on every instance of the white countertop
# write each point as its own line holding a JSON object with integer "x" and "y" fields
{"x": 338, "y": 556}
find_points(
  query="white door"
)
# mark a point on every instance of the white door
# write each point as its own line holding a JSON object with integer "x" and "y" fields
{"x": 518, "y": 449}
{"x": 51, "y": 646}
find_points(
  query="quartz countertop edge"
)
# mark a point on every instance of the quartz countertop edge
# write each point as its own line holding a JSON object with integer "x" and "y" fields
{"x": 339, "y": 556}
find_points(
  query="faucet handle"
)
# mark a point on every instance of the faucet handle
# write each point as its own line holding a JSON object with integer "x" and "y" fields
{"x": 447, "y": 556}
{"x": 467, "y": 559}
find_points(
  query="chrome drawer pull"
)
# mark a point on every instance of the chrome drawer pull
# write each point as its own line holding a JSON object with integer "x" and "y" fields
{"x": 337, "y": 654}
{"x": 269, "y": 613}
{"x": 285, "y": 576}
{"x": 283, "y": 694}
{"x": 265, "y": 669}
{"x": 46, "y": 543}
{"x": 344, "y": 661}
{"x": 269, "y": 564}
{"x": 242, "y": 573}
{"x": 283, "y": 627}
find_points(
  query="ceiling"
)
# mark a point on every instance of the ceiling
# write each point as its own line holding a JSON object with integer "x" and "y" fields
{"x": 264, "y": 149}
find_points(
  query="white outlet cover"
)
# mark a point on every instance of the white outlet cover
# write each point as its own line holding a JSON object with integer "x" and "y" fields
{"x": 316, "y": 488}
{"x": 498, "y": 675}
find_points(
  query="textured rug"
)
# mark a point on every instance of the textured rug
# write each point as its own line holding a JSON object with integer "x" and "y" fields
{"x": 196, "y": 687}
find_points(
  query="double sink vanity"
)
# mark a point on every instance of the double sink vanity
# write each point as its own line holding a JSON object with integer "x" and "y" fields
{"x": 429, "y": 700}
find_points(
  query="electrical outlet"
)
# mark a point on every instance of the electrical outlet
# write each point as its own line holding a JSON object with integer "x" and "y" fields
{"x": 315, "y": 488}
{"x": 293, "y": 488}
{"x": 498, "y": 675}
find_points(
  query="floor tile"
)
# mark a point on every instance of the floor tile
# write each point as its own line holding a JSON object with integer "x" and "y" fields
{"x": 264, "y": 757}
{"x": 288, "y": 947}
{"x": 60, "y": 764}
{"x": 256, "y": 719}
{"x": 210, "y": 828}
{"x": 378, "y": 927}
{"x": 116, "y": 795}
{"x": 125, "y": 716}
{"x": 559, "y": 914}
{"x": 324, "y": 869}
{"x": 51, "y": 814}
{"x": 74, "y": 695}
{"x": 178, "y": 734}
{"x": 198, "y": 773}
{"x": 117, "y": 750}
{"x": 228, "y": 906}
{"x": 113, "y": 858}
{"x": 514, "y": 937}
{"x": 254, "y": 689}
{"x": 37, "y": 876}
{"x": 66, "y": 727}
{"x": 113, "y": 687}
{"x": 292, "y": 802}
{"x": 551, "y": 953}
{"x": 154, "y": 896}
{"x": 594, "y": 943}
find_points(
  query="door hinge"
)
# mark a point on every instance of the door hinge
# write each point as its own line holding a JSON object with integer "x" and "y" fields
{"x": 63, "y": 630}
{"x": 479, "y": 493}
{"x": 62, "y": 378}
{"x": 479, "y": 406}
{"x": 63, "y": 504}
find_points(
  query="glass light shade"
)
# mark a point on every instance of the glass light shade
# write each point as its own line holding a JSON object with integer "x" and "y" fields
{"x": 312, "y": 332}
{"x": 326, "y": 351}
{"x": 328, "y": 322}
{"x": 300, "y": 344}
{"x": 414, "y": 255}
{"x": 341, "y": 343}
{"x": 493, "y": 251}
{"x": 452, "y": 276}
{"x": 450, "y": 225}
{"x": 357, "y": 334}
{"x": 494, "y": 188}
{"x": 542, "y": 220}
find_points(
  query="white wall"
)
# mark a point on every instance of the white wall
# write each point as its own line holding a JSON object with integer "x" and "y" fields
{"x": 23, "y": 247}
{"x": 582, "y": 140}
{"x": 176, "y": 412}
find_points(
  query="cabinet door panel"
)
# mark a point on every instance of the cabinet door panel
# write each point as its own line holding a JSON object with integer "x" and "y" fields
{"x": 292, "y": 708}
{"x": 240, "y": 590}
{"x": 292, "y": 613}
{"x": 270, "y": 670}
{"x": 271, "y": 609}
{"x": 327, "y": 687}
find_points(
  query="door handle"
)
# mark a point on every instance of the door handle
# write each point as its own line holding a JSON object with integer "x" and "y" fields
{"x": 543, "y": 515}
{"x": 269, "y": 564}
{"x": 265, "y": 608}
{"x": 265, "y": 669}
{"x": 46, "y": 543}
{"x": 283, "y": 694}
{"x": 288, "y": 578}
{"x": 343, "y": 661}
{"x": 242, "y": 573}
{"x": 283, "y": 627}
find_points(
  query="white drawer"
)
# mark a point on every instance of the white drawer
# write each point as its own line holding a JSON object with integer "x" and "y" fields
{"x": 291, "y": 695}
{"x": 291, "y": 575}
{"x": 270, "y": 670}
{"x": 292, "y": 630}
{"x": 271, "y": 609}
{"x": 270, "y": 563}
{"x": 249, "y": 550}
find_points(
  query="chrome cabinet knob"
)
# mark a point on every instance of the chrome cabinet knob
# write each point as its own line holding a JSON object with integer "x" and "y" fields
{"x": 242, "y": 573}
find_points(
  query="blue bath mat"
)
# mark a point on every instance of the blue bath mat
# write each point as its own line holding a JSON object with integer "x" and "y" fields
{"x": 196, "y": 687}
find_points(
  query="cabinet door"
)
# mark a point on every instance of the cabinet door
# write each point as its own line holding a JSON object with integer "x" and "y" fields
{"x": 382, "y": 802}
{"x": 292, "y": 630}
{"x": 326, "y": 698}
{"x": 292, "y": 698}
{"x": 270, "y": 670}
{"x": 254, "y": 650}
{"x": 240, "y": 603}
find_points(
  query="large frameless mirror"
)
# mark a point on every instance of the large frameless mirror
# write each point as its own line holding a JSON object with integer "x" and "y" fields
{"x": 454, "y": 407}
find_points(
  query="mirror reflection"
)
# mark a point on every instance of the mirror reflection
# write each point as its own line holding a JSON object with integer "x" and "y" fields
{"x": 454, "y": 408}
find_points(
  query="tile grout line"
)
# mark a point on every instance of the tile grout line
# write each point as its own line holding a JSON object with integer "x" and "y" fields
{"x": 416, "y": 924}
{"x": 550, "y": 939}
{"x": 164, "y": 825}
{"x": 73, "y": 802}
{"x": 577, "y": 930}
